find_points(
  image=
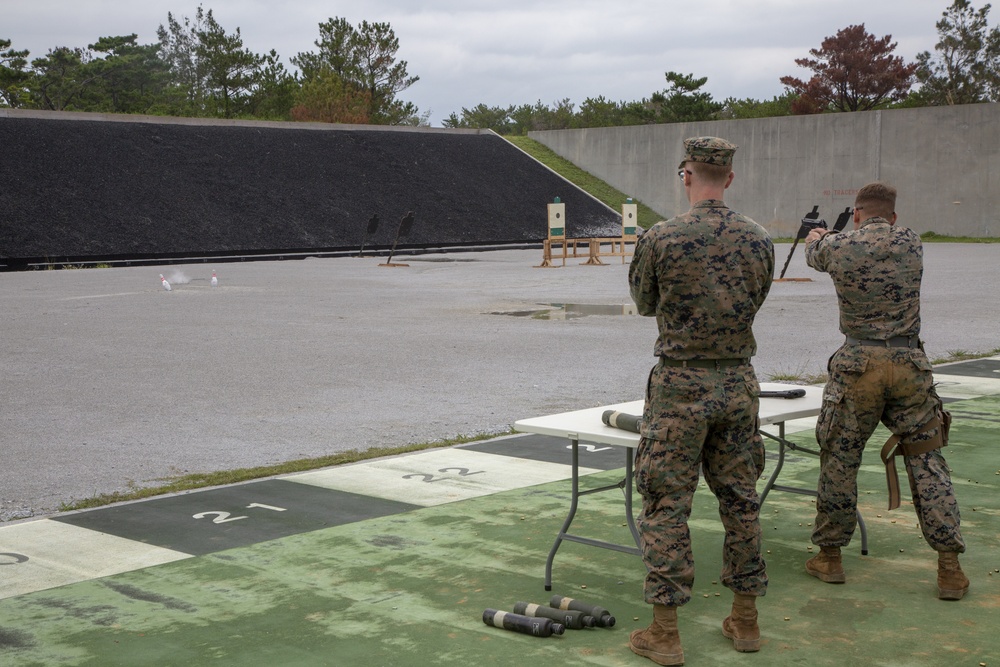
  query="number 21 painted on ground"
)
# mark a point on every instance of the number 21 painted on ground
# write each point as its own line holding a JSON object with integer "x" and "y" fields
{"x": 226, "y": 517}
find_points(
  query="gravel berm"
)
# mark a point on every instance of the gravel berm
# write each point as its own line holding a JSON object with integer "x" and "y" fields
{"x": 87, "y": 186}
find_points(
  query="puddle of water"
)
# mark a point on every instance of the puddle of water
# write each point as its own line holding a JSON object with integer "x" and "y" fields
{"x": 570, "y": 311}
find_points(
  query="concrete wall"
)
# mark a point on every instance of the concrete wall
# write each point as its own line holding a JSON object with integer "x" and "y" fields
{"x": 945, "y": 162}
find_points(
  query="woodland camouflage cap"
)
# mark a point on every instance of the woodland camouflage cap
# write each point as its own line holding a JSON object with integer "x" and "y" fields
{"x": 710, "y": 150}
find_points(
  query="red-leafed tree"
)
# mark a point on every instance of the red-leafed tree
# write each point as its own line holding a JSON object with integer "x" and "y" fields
{"x": 852, "y": 71}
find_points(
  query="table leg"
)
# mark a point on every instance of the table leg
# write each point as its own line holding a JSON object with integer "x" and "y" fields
{"x": 782, "y": 442}
{"x": 574, "y": 500}
{"x": 781, "y": 461}
{"x": 628, "y": 498}
{"x": 564, "y": 534}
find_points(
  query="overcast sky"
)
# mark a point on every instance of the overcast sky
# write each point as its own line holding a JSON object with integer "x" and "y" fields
{"x": 515, "y": 52}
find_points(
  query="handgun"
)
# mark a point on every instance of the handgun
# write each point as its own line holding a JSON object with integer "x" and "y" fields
{"x": 809, "y": 224}
{"x": 783, "y": 393}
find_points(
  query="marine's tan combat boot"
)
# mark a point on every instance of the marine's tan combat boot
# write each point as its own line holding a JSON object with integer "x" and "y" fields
{"x": 741, "y": 624}
{"x": 952, "y": 582}
{"x": 827, "y": 566}
{"x": 660, "y": 642}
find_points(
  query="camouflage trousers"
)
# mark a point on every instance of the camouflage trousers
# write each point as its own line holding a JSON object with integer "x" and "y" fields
{"x": 699, "y": 418}
{"x": 892, "y": 385}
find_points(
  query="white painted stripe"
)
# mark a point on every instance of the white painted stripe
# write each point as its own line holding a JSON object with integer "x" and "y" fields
{"x": 965, "y": 386}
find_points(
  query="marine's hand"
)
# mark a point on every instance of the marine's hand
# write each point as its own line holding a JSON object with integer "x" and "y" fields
{"x": 816, "y": 234}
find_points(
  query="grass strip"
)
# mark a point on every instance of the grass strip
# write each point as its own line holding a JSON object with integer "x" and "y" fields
{"x": 584, "y": 180}
{"x": 225, "y": 477}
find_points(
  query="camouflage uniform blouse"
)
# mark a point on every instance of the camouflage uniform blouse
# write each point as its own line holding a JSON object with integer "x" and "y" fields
{"x": 703, "y": 274}
{"x": 876, "y": 270}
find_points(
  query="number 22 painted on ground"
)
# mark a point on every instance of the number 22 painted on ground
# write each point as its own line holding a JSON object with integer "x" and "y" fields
{"x": 462, "y": 472}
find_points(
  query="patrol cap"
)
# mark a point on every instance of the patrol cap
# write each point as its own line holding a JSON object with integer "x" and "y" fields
{"x": 710, "y": 150}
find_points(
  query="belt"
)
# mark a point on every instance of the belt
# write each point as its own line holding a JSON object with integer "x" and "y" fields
{"x": 895, "y": 341}
{"x": 703, "y": 363}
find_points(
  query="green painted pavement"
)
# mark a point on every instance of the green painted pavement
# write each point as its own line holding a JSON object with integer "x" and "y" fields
{"x": 410, "y": 588}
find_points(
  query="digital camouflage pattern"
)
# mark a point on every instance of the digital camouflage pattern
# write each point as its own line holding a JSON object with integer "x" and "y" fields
{"x": 877, "y": 271}
{"x": 892, "y": 385}
{"x": 703, "y": 275}
{"x": 710, "y": 150}
{"x": 703, "y": 418}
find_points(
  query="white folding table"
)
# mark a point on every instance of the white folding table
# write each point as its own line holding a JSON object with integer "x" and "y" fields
{"x": 587, "y": 426}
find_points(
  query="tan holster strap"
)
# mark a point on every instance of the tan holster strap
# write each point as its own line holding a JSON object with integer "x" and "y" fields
{"x": 897, "y": 445}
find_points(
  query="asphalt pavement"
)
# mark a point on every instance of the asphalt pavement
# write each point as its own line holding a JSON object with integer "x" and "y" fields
{"x": 111, "y": 382}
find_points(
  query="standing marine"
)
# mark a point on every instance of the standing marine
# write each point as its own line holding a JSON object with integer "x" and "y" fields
{"x": 703, "y": 275}
{"x": 881, "y": 373}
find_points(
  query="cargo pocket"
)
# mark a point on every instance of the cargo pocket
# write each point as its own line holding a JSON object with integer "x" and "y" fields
{"x": 921, "y": 362}
{"x": 646, "y": 472}
{"x": 846, "y": 365}
{"x": 757, "y": 443}
{"x": 833, "y": 403}
{"x": 751, "y": 383}
{"x": 640, "y": 466}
